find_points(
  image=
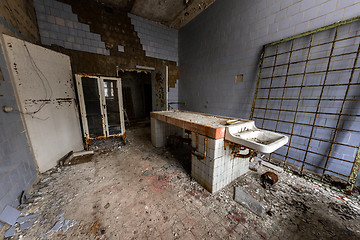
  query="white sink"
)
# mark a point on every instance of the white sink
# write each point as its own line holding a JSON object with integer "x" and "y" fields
{"x": 248, "y": 135}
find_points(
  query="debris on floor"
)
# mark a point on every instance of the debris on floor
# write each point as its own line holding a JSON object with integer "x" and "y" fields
{"x": 9, "y": 215}
{"x": 268, "y": 179}
{"x": 242, "y": 197}
{"x": 272, "y": 166}
{"x": 73, "y": 158}
{"x": 140, "y": 192}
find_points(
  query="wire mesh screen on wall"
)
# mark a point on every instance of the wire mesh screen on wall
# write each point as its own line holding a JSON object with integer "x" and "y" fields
{"x": 309, "y": 89}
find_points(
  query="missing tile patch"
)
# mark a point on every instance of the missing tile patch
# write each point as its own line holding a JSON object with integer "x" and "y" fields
{"x": 239, "y": 78}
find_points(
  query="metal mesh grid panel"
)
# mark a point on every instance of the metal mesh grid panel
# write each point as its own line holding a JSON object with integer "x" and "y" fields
{"x": 309, "y": 89}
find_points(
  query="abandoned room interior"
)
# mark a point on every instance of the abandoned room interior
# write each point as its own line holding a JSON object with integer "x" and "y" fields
{"x": 187, "y": 119}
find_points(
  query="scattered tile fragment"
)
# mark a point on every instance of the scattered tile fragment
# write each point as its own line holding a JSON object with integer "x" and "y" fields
{"x": 72, "y": 223}
{"x": 42, "y": 236}
{"x": 65, "y": 226}
{"x": 61, "y": 214}
{"x": 272, "y": 166}
{"x": 26, "y": 218}
{"x": 10, "y": 232}
{"x": 27, "y": 224}
{"x": 242, "y": 197}
{"x": 56, "y": 227}
{"x": 147, "y": 173}
{"x": 9, "y": 215}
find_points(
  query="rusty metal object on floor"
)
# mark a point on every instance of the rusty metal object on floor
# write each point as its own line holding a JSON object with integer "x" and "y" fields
{"x": 268, "y": 179}
{"x": 94, "y": 228}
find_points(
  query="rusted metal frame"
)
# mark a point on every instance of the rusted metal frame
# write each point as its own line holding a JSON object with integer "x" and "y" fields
{"x": 316, "y": 85}
{"x": 354, "y": 173}
{"x": 337, "y": 24}
{"x": 316, "y": 45}
{"x": 286, "y": 110}
{"x": 271, "y": 81}
{"x": 100, "y": 83}
{"x": 307, "y": 124}
{"x": 205, "y": 146}
{"x": 323, "y": 71}
{"x": 283, "y": 93}
{"x": 195, "y": 151}
{"x": 313, "y": 59}
{"x": 257, "y": 83}
{"x": 320, "y": 97}
{"x": 297, "y": 160}
{"x": 88, "y": 140}
{"x": 238, "y": 154}
{"x": 317, "y": 139}
{"x": 313, "y": 99}
{"x": 324, "y": 155}
{"x": 341, "y": 113}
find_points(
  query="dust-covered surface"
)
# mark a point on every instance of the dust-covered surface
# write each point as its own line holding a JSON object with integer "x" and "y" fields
{"x": 139, "y": 192}
{"x": 212, "y": 121}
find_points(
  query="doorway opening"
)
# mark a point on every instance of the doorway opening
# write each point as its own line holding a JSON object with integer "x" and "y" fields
{"x": 137, "y": 95}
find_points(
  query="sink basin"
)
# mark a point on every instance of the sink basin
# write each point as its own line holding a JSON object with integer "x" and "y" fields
{"x": 248, "y": 135}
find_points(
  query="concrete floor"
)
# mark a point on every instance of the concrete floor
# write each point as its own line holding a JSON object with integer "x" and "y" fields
{"x": 140, "y": 192}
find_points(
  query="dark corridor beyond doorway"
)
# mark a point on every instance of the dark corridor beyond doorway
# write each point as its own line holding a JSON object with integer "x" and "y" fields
{"x": 137, "y": 99}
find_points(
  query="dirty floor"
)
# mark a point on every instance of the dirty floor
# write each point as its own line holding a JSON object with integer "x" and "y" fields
{"x": 139, "y": 192}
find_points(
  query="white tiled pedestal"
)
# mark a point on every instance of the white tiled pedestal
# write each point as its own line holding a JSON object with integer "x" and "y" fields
{"x": 161, "y": 130}
{"x": 219, "y": 168}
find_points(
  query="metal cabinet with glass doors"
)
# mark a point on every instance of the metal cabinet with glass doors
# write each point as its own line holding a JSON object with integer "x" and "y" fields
{"x": 101, "y": 107}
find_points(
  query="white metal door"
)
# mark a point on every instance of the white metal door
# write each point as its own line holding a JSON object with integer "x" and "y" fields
{"x": 109, "y": 106}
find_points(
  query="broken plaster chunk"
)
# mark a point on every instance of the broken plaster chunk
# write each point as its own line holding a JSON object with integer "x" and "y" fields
{"x": 26, "y": 218}
{"x": 56, "y": 227}
{"x": 10, "y": 232}
{"x": 65, "y": 226}
{"x": 61, "y": 214}
{"x": 42, "y": 236}
{"x": 244, "y": 198}
{"x": 73, "y": 223}
{"x": 27, "y": 224}
{"x": 272, "y": 166}
{"x": 9, "y": 215}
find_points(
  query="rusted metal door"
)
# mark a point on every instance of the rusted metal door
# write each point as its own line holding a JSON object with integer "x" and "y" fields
{"x": 159, "y": 86}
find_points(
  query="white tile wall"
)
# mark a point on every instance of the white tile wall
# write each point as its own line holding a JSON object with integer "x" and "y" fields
{"x": 158, "y": 41}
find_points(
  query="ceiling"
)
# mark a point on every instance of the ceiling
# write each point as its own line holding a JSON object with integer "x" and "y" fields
{"x": 172, "y": 13}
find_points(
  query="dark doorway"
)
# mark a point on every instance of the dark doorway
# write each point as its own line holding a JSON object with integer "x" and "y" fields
{"x": 137, "y": 99}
